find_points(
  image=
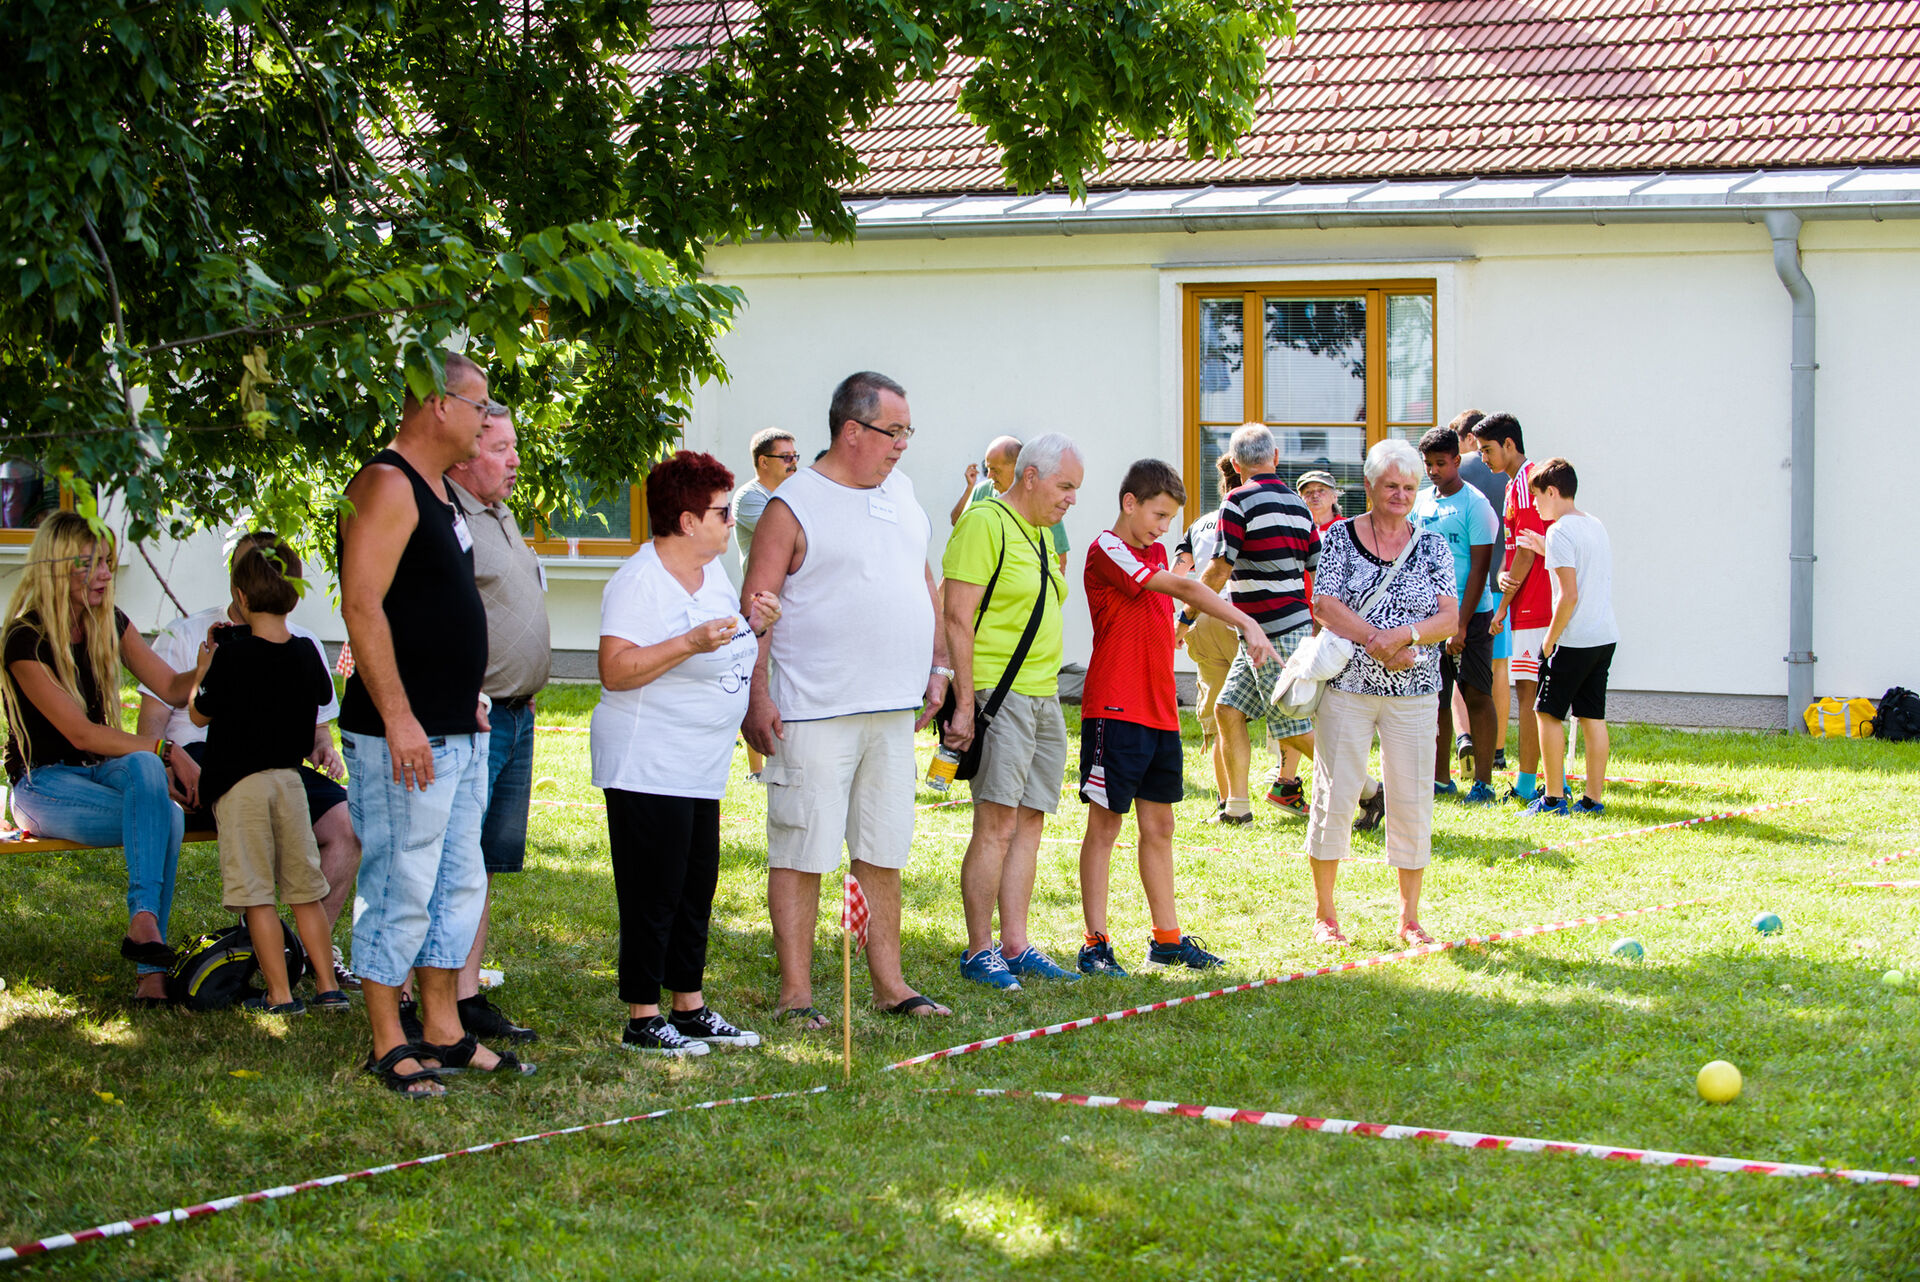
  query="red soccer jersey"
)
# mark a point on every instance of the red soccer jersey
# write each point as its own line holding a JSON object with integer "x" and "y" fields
{"x": 1130, "y": 676}
{"x": 1533, "y": 604}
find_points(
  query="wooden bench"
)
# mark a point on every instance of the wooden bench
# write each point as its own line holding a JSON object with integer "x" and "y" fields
{"x": 14, "y": 841}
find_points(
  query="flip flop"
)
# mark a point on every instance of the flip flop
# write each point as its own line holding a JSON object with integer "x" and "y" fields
{"x": 909, "y": 1008}
{"x": 1325, "y": 931}
{"x": 809, "y": 1019}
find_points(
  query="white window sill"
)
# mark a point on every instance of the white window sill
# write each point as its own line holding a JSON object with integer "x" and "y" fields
{"x": 581, "y": 567}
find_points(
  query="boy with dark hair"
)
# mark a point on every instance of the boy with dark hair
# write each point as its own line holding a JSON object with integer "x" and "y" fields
{"x": 1461, "y": 515}
{"x": 260, "y": 696}
{"x": 1580, "y": 637}
{"x": 1524, "y": 585}
{"x": 1130, "y": 713}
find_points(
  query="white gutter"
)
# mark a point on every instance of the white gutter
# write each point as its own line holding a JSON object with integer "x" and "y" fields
{"x": 1784, "y": 227}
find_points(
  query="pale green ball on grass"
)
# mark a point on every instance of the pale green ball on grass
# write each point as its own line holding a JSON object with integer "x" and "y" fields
{"x": 1894, "y": 979}
{"x": 1718, "y": 1082}
{"x": 546, "y": 783}
{"x": 1628, "y": 949}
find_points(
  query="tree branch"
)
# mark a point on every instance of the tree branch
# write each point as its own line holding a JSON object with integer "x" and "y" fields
{"x": 119, "y": 320}
{"x": 160, "y": 578}
{"x": 257, "y": 330}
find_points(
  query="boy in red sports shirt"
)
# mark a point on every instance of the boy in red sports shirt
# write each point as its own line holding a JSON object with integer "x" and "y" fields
{"x": 1526, "y": 586}
{"x": 1130, "y": 712}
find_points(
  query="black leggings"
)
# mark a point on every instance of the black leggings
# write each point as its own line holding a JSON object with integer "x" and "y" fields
{"x": 666, "y": 862}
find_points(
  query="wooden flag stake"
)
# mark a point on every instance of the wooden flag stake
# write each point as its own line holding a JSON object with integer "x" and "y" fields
{"x": 846, "y": 1005}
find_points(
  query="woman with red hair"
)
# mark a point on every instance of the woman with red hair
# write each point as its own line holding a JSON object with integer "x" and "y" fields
{"x": 675, "y": 662}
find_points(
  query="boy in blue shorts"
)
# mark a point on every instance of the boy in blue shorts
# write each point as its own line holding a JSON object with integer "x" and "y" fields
{"x": 1461, "y": 515}
{"x": 1130, "y": 712}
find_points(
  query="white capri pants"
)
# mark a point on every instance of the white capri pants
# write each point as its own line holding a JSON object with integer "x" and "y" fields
{"x": 1343, "y": 730}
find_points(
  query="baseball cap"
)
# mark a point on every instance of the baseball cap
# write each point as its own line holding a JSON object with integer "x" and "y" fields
{"x": 1317, "y": 478}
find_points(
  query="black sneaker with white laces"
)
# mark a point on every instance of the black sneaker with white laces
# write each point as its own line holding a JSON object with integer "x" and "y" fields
{"x": 655, "y": 1036}
{"x": 705, "y": 1025}
{"x": 484, "y": 1020}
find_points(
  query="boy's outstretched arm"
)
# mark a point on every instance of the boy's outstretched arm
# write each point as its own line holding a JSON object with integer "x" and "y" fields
{"x": 1207, "y": 601}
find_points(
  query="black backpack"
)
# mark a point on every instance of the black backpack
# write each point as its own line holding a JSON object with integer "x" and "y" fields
{"x": 216, "y": 969}
{"x": 1899, "y": 716}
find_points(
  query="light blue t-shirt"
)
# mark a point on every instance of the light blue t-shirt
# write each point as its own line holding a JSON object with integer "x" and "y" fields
{"x": 1467, "y": 521}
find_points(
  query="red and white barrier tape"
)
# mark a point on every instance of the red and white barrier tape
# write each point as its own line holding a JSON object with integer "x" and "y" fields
{"x": 1678, "y": 823}
{"x": 563, "y": 730}
{"x": 1464, "y": 1139}
{"x": 1888, "y": 885}
{"x": 1613, "y": 779}
{"x": 120, "y": 1228}
{"x": 1900, "y": 854}
{"x": 1422, "y": 950}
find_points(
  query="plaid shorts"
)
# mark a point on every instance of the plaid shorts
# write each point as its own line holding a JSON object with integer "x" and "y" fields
{"x": 1249, "y": 689}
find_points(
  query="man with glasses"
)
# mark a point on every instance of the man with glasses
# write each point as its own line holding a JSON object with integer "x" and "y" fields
{"x": 858, "y": 666}
{"x": 413, "y": 732}
{"x": 775, "y": 458}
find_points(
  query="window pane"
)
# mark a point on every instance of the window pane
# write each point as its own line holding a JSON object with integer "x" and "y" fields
{"x": 1409, "y": 358}
{"x": 1316, "y": 360}
{"x": 1213, "y": 443}
{"x": 1223, "y": 397}
{"x": 610, "y": 520}
{"x": 1339, "y": 450}
{"x": 26, "y": 494}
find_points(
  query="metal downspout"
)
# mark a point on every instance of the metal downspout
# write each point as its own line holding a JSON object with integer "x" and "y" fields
{"x": 1784, "y": 227}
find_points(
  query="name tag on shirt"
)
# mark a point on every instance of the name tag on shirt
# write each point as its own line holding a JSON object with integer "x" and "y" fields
{"x": 881, "y": 509}
{"x": 462, "y": 533}
{"x": 541, "y": 570}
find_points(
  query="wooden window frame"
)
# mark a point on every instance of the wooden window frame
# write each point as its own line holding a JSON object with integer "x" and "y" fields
{"x": 21, "y": 535}
{"x": 1253, "y": 357}
{"x": 545, "y": 542}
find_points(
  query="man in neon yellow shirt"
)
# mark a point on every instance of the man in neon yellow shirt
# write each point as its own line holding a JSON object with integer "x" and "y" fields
{"x": 1003, "y": 542}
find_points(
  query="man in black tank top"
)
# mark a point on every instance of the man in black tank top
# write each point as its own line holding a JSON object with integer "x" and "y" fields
{"x": 413, "y": 731}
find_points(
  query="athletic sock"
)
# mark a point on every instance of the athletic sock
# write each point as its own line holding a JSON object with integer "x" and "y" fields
{"x": 1171, "y": 937}
{"x": 1093, "y": 939}
{"x": 1527, "y": 785}
{"x": 1237, "y": 806}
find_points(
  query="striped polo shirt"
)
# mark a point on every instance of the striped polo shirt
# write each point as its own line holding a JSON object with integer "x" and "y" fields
{"x": 1266, "y": 533}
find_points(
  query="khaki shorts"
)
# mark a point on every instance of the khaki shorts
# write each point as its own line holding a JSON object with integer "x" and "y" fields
{"x": 1025, "y": 757}
{"x": 1211, "y": 645}
{"x": 844, "y": 779}
{"x": 266, "y": 839}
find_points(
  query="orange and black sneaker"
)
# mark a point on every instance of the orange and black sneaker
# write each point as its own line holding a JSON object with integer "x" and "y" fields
{"x": 1289, "y": 796}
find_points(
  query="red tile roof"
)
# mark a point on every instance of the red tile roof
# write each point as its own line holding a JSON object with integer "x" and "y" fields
{"x": 1410, "y": 89}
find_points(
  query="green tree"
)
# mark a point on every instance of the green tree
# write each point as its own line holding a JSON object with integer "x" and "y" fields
{"x": 240, "y": 231}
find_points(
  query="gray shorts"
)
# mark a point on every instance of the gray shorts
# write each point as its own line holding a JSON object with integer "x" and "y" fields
{"x": 1025, "y": 757}
{"x": 1249, "y": 690}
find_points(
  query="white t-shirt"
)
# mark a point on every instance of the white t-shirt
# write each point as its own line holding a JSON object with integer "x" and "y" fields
{"x": 674, "y": 736}
{"x": 178, "y": 645}
{"x": 1579, "y": 541}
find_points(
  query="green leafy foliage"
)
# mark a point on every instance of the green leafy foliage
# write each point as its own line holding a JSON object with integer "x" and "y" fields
{"x": 240, "y": 231}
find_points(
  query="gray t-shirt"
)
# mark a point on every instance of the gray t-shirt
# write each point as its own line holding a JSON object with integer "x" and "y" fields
{"x": 749, "y": 501}
{"x": 1475, "y": 472}
{"x": 1579, "y": 541}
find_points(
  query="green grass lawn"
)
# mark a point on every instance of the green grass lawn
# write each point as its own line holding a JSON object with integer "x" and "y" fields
{"x": 111, "y": 1113}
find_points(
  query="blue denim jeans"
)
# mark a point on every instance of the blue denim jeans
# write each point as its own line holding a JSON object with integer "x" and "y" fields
{"x": 422, "y": 884}
{"x": 503, "y": 835}
{"x": 120, "y": 802}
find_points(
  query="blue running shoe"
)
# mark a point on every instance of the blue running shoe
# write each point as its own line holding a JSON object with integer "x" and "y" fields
{"x": 989, "y": 968}
{"x": 1588, "y": 806}
{"x": 1481, "y": 794}
{"x": 1098, "y": 959}
{"x": 1545, "y": 805}
{"x": 1188, "y": 952}
{"x": 1447, "y": 789}
{"x": 1514, "y": 794}
{"x": 1034, "y": 964}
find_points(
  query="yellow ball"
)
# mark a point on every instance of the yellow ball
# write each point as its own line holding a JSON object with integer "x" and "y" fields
{"x": 1719, "y": 1082}
{"x": 546, "y": 783}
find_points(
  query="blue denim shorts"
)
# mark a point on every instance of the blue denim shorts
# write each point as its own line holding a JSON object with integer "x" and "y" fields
{"x": 422, "y": 883}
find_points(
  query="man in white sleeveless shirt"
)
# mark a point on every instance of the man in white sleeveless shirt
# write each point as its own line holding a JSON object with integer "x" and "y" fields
{"x": 859, "y": 666}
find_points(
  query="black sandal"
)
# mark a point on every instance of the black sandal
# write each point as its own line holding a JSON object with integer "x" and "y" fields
{"x": 458, "y": 1058}
{"x": 152, "y": 952}
{"x": 394, "y": 1080}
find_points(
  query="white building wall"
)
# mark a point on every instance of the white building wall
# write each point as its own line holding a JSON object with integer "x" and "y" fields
{"x": 1655, "y": 357}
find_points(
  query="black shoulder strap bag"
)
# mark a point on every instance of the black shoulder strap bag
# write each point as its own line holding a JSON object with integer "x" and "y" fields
{"x": 984, "y": 713}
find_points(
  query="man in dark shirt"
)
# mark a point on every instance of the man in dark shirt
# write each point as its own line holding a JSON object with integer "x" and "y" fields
{"x": 414, "y": 734}
{"x": 1475, "y": 472}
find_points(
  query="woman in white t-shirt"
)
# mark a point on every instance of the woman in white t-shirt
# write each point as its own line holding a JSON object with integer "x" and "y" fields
{"x": 675, "y": 662}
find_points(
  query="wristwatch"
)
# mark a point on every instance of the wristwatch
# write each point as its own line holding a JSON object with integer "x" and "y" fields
{"x": 1413, "y": 630}
{"x": 939, "y": 671}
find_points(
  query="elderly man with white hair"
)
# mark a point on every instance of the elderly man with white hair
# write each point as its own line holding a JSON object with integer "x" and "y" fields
{"x": 1266, "y": 545}
{"x": 1387, "y": 586}
{"x": 1002, "y": 604}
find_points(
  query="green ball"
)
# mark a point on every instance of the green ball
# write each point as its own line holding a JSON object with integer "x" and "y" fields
{"x": 1894, "y": 979}
{"x": 1768, "y": 924}
{"x": 1630, "y": 949}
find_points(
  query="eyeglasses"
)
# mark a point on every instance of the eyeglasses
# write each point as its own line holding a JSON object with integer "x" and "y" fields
{"x": 785, "y": 458}
{"x": 724, "y": 509}
{"x": 492, "y": 409}
{"x": 901, "y": 434}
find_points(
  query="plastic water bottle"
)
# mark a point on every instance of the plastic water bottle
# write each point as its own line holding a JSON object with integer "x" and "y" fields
{"x": 946, "y": 763}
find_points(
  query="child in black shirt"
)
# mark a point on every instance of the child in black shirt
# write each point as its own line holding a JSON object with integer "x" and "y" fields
{"x": 260, "y": 697}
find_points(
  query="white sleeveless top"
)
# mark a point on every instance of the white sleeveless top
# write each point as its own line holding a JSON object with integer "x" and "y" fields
{"x": 856, "y": 625}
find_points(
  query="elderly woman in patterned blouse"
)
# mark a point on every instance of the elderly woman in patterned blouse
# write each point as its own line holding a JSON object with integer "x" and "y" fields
{"x": 1391, "y": 686}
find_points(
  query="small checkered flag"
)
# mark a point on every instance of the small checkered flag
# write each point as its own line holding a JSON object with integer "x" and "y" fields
{"x": 853, "y": 912}
{"x": 344, "y": 665}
